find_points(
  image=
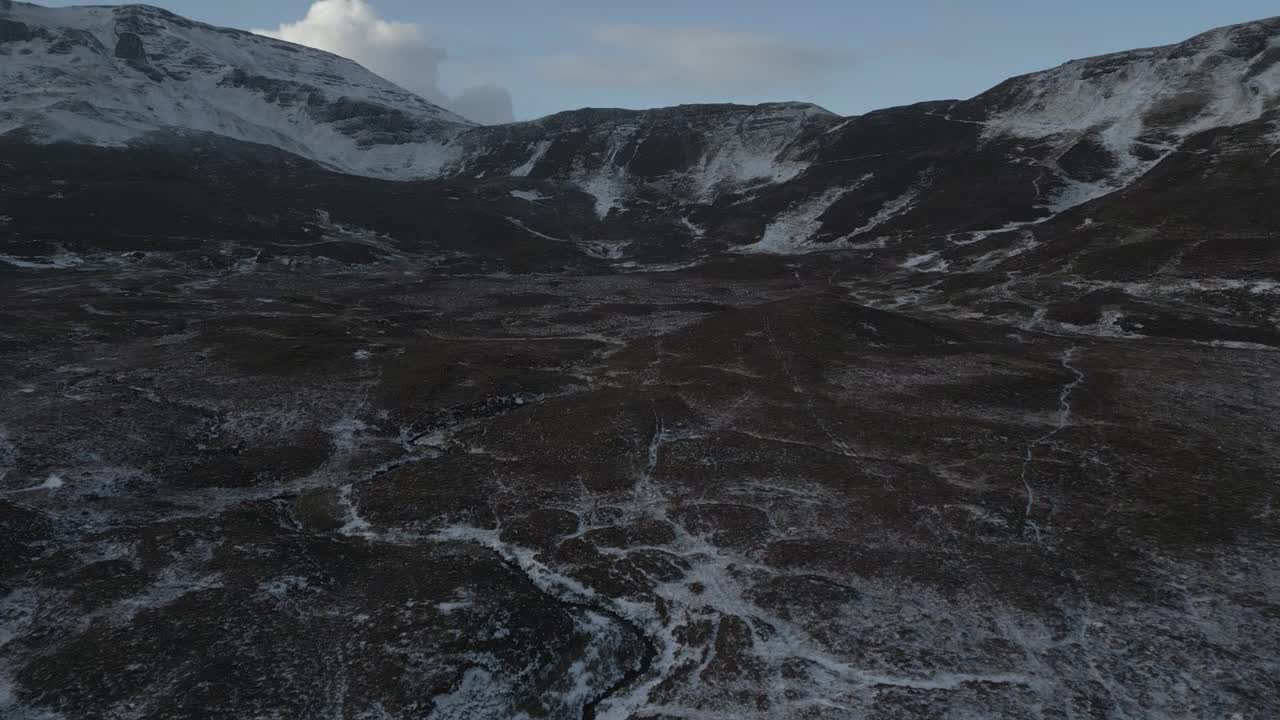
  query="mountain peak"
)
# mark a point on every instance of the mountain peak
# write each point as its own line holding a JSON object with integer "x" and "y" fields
{"x": 110, "y": 75}
{"x": 113, "y": 75}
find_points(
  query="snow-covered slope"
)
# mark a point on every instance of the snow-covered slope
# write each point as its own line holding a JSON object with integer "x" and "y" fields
{"x": 1126, "y": 111}
{"x": 1029, "y": 150}
{"x": 109, "y": 75}
{"x": 787, "y": 177}
{"x": 692, "y": 153}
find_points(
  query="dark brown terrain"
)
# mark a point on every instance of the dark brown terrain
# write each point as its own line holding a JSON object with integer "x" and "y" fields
{"x": 282, "y": 442}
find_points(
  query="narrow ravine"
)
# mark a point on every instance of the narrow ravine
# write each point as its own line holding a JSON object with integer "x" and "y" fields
{"x": 638, "y": 668}
{"x": 629, "y": 678}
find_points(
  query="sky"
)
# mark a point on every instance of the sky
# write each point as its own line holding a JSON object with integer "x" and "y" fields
{"x": 494, "y": 60}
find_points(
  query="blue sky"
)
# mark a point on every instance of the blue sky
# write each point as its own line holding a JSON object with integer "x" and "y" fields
{"x": 850, "y": 56}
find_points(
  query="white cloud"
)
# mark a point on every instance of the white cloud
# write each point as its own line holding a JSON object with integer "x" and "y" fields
{"x": 487, "y": 104}
{"x": 696, "y": 59}
{"x": 399, "y": 51}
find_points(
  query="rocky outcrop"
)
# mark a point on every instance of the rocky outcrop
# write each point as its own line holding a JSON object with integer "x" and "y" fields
{"x": 130, "y": 47}
{"x": 13, "y": 31}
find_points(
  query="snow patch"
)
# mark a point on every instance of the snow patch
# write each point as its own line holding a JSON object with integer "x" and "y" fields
{"x": 51, "y": 262}
{"x": 697, "y": 231}
{"x": 793, "y": 230}
{"x": 755, "y": 151}
{"x": 172, "y": 584}
{"x": 355, "y": 526}
{"x": 894, "y": 208}
{"x": 51, "y": 484}
{"x": 1109, "y": 326}
{"x": 449, "y": 608}
{"x": 607, "y": 188}
{"x": 479, "y": 695}
{"x": 535, "y": 233}
{"x": 539, "y": 152}
{"x": 343, "y": 434}
{"x": 838, "y": 127}
{"x": 1238, "y": 345}
{"x": 1174, "y": 91}
{"x": 928, "y": 262}
{"x": 281, "y": 587}
{"x": 738, "y": 164}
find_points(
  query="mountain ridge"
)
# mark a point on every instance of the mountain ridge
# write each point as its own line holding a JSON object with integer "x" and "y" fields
{"x": 1011, "y": 186}
{"x": 108, "y": 75}
{"x": 403, "y": 137}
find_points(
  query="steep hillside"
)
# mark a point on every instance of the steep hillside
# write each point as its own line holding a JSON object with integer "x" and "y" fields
{"x": 799, "y": 178}
{"x": 1042, "y": 201}
{"x": 112, "y": 75}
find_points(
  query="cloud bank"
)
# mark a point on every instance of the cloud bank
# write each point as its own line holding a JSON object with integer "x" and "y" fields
{"x": 398, "y": 51}
{"x": 695, "y": 59}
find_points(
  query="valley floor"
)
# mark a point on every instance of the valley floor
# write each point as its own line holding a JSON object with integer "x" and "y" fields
{"x": 732, "y": 490}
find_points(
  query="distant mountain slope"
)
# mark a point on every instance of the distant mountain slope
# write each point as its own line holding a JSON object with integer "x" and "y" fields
{"x": 798, "y": 177}
{"x": 691, "y": 153}
{"x": 109, "y": 75}
{"x": 1111, "y": 118}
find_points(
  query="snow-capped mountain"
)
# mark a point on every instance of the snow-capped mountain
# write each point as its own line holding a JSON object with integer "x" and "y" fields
{"x": 927, "y": 187}
{"x": 1111, "y": 118}
{"x": 111, "y": 75}
{"x": 1032, "y": 147}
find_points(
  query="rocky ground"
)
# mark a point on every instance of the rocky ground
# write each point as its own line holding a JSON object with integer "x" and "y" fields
{"x": 736, "y": 489}
{"x": 961, "y": 410}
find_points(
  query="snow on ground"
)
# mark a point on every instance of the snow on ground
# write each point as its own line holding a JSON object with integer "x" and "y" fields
{"x": 793, "y": 230}
{"x": 53, "y": 482}
{"x": 190, "y": 81}
{"x": 609, "y": 190}
{"x": 927, "y": 262}
{"x": 738, "y": 163}
{"x": 355, "y": 526}
{"x": 344, "y": 434}
{"x": 535, "y": 233}
{"x": 480, "y": 694}
{"x": 51, "y": 262}
{"x": 1070, "y": 99}
{"x": 694, "y": 229}
{"x": 894, "y": 208}
{"x": 539, "y": 151}
{"x": 1119, "y": 100}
